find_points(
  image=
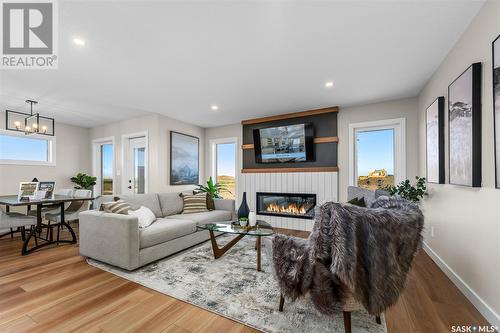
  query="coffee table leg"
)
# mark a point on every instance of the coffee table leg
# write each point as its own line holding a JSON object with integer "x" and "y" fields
{"x": 259, "y": 252}
{"x": 219, "y": 252}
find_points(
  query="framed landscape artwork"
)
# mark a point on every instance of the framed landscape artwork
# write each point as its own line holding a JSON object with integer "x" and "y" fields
{"x": 464, "y": 120}
{"x": 496, "y": 104}
{"x": 184, "y": 159}
{"x": 435, "y": 141}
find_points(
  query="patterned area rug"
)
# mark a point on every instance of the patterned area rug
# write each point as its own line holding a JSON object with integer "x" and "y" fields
{"x": 231, "y": 286}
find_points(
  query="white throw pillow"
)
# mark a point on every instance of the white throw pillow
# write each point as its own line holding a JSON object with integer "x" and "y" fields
{"x": 145, "y": 215}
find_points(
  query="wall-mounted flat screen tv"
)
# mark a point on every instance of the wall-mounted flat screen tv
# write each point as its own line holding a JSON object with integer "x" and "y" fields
{"x": 284, "y": 144}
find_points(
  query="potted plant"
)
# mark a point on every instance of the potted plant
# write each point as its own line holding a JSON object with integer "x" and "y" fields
{"x": 408, "y": 191}
{"x": 243, "y": 221}
{"x": 213, "y": 189}
{"x": 83, "y": 181}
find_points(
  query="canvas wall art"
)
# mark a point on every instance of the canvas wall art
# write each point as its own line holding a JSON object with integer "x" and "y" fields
{"x": 184, "y": 159}
{"x": 464, "y": 121}
{"x": 496, "y": 103}
{"x": 435, "y": 141}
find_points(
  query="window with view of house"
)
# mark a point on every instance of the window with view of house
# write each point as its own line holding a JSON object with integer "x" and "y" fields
{"x": 375, "y": 158}
{"x": 22, "y": 149}
{"x": 224, "y": 152}
{"x": 378, "y": 153}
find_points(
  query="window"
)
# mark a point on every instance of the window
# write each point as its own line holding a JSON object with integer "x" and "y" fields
{"x": 106, "y": 168}
{"x": 22, "y": 149}
{"x": 377, "y": 155}
{"x": 224, "y": 165}
{"x": 375, "y": 158}
{"x": 103, "y": 165}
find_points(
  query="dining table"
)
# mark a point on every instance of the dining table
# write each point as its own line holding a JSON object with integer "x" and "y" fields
{"x": 57, "y": 201}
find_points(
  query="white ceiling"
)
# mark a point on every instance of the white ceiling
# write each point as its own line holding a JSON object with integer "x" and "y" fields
{"x": 251, "y": 58}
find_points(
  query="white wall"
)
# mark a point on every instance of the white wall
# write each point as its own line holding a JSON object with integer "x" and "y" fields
{"x": 404, "y": 108}
{"x": 466, "y": 221}
{"x": 158, "y": 128}
{"x": 72, "y": 156}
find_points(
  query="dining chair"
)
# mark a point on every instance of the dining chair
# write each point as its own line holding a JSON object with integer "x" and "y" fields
{"x": 72, "y": 212}
{"x": 17, "y": 221}
{"x": 56, "y": 209}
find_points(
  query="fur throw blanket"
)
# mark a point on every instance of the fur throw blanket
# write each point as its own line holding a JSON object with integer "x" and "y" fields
{"x": 366, "y": 252}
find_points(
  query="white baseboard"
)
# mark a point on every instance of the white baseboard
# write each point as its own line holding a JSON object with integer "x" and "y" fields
{"x": 491, "y": 316}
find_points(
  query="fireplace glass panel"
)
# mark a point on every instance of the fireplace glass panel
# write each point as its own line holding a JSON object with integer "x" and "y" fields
{"x": 286, "y": 204}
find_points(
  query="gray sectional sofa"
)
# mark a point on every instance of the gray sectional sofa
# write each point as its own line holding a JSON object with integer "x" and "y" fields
{"x": 117, "y": 239}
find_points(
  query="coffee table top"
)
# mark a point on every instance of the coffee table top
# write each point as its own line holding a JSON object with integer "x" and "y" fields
{"x": 261, "y": 229}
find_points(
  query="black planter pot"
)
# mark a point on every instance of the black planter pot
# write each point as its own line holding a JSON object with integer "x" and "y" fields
{"x": 243, "y": 211}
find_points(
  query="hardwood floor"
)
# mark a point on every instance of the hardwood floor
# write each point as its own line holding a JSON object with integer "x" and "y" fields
{"x": 54, "y": 290}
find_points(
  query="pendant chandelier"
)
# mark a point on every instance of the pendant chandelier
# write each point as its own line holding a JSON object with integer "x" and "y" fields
{"x": 29, "y": 123}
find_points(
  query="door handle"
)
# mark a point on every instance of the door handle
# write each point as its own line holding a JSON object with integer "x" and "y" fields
{"x": 130, "y": 187}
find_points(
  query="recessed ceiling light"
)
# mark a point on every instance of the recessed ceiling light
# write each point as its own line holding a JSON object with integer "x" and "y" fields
{"x": 79, "y": 42}
{"x": 214, "y": 107}
{"x": 328, "y": 84}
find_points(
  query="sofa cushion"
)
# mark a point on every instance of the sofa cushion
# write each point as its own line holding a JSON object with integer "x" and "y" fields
{"x": 194, "y": 203}
{"x": 147, "y": 200}
{"x": 164, "y": 230}
{"x": 212, "y": 216}
{"x": 170, "y": 203}
{"x": 144, "y": 215}
{"x": 117, "y": 207}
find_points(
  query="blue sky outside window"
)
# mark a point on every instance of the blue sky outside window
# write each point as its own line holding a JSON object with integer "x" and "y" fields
{"x": 226, "y": 164}
{"x": 23, "y": 148}
{"x": 375, "y": 151}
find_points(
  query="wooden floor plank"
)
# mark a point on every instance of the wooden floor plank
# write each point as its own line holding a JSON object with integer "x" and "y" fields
{"x": 55, "y": 290}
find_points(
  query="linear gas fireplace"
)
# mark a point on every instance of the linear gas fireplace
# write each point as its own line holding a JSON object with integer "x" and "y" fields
{"x": 296, "y": 205}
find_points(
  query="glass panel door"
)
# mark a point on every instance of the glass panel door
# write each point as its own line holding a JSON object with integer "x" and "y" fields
{"x": 139, "y": 176}
{"x": 137, "y": 173}
{"x": 106, "y": 172}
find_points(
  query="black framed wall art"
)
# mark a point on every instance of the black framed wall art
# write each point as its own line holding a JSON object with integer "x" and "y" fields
{"x": 434, "y": 119}
{"x": 464, "y": 123}
{"x": 496, "y": 106}
{"x": 184, "y": 159}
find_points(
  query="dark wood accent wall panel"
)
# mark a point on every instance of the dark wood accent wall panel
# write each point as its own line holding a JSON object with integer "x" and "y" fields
{"x": 325, "y": 146}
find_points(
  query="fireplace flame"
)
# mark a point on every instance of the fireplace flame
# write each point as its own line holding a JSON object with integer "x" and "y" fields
{"x": 291, "y": 208}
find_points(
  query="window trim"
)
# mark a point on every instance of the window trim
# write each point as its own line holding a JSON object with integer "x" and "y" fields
{"x": 51, "y": 149}
{"x": 213, "y": 159}
{"x": 96, "y": 161}
{"x": 398, "y": 125}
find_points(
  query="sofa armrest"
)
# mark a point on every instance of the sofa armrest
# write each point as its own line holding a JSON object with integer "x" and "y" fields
{"x": 226, "y": 204}
{"x": 111, "y": 238}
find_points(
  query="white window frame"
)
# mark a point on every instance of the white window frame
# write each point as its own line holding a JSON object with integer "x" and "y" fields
{"x": 398, "y": 125}
{"x": 125, "y": 156}
{"x": 213, "y": 158}
{"x": 96, "y": 161}
{"x": 51, "y": 158}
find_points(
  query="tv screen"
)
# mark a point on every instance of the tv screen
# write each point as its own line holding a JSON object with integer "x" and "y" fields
{"x": 284, "y": 144}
